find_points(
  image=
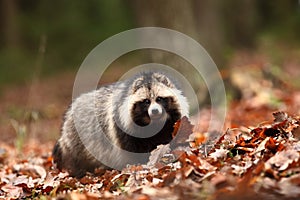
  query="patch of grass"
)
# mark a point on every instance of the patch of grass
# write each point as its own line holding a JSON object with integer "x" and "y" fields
{"x": 21, "y": 132}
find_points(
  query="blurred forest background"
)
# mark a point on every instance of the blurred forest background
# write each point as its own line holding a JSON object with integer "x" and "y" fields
{"x": 48, "y": 37}
{"x": 254, "y": 43}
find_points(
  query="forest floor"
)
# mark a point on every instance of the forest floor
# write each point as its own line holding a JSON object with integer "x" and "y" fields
{"x": 256, "y": 155}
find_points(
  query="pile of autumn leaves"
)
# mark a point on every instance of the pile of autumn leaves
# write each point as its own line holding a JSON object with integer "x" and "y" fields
{"x": 244, "y": 163}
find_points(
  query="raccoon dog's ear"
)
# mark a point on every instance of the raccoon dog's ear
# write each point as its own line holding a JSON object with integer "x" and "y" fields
{"x": 138, "y": 83}
{"x": 163, "y": 79}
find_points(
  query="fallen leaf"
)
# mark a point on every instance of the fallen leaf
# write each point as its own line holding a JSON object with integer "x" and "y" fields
{"x": 282, "y": 159}
{"x": 182, "y": 131}
{"x": 157, "y": 154}
{"x": 288, "y": 188}
{"x": 219, "y": 154}
{"x": 13, "y": 192}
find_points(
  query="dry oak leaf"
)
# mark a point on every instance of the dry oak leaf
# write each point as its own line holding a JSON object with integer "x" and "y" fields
{"x": 13, "y": 192}
{"x": 286, "y": 122}
{"x": 290, "y": 187}
{"x": 182, "y": 131}
{"x": 219, "y": 154}
{"x": 196, "y": 139}
{"x": 282, "y": 159}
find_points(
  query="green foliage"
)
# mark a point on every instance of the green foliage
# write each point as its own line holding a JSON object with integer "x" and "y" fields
{"x": 280, "y": 19}
{"x": 15, "y": 66}
{"x": 71, "y": 28}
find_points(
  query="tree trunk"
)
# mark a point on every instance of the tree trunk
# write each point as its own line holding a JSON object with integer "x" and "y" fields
{"x": 10, "y": 29}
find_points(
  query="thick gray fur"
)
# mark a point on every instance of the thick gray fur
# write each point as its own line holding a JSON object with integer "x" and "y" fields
{"x": 98, "y": 121}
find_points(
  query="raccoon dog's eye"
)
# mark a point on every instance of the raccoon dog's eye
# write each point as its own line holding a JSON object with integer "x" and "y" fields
{"x": 147, "y": 101}
{"x": 161, "y": 100}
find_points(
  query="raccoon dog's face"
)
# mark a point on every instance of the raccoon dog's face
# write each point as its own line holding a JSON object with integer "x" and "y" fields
{"x": 155, "y": 99}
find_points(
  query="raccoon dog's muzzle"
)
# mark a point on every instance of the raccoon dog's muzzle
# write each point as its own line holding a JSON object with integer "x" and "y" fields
{"x": 156, "y": 111}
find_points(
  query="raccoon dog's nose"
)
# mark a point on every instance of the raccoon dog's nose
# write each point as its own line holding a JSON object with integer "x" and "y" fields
{"x": 155, "y": 111}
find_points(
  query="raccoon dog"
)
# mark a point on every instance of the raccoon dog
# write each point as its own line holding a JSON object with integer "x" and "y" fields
{"x": 108, "y": 127}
